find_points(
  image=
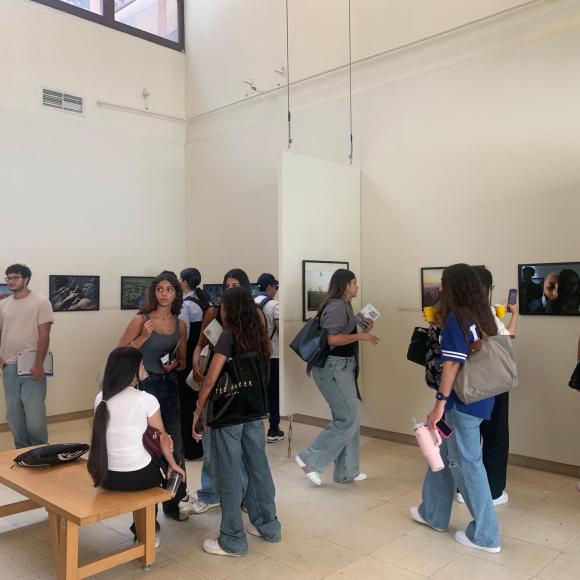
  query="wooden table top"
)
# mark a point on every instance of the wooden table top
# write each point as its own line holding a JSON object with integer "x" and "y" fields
{"x": 68, "y": 490}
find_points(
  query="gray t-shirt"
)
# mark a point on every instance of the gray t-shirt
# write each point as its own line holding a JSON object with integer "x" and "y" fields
{"x": 338, "y": 317}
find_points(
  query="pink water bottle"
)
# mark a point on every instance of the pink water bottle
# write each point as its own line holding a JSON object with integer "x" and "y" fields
{"x": 429, "y": 442}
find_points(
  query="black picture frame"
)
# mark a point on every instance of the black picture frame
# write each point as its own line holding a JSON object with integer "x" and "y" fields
{"x": 74, "y": 293}
{"x": 134, "y": 291}
{"x": 311, "y": 296}
{"x": 533, "y": 300}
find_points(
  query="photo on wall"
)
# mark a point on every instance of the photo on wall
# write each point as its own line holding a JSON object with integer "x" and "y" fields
{"x": 74, "y": 293}
{"x": 134, "y": 291}
{"x": 316, "y": 275}
{"x": 214, "y": 291}
{"x": 431, "y": 285}
{"x": 4, "y": 291}
{"x": 551, "y": 288}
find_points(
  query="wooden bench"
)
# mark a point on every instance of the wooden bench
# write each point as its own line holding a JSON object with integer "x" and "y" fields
{"x": 67, "y": 493}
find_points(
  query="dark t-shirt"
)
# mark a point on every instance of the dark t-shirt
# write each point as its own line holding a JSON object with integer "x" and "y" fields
{"x": 225, "y": 344}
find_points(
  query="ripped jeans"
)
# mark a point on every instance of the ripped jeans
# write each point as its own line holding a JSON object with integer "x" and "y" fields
{"x": 464, "y": 470}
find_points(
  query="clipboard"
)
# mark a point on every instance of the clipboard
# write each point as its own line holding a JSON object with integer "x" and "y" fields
{"x": 25, "y": 360}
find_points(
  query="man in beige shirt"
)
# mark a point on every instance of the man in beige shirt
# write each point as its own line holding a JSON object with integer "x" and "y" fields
{"x": 25, "y": 322}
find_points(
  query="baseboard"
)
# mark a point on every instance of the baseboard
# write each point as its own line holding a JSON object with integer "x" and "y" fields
{"x": 58, "y": 418}
{"x": 518, "y": 460}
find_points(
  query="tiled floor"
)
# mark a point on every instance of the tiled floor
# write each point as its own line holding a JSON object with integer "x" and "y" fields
{"x": 360, "y": 531}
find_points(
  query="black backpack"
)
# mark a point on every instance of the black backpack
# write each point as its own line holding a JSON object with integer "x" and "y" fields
{"x": 261, "y": 307}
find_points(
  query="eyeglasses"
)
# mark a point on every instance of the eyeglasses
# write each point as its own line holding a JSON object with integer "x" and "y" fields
{"x": 12, "y": 278}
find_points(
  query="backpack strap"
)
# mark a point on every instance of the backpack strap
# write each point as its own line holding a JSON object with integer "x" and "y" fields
{"x": 196, "y": 301}
{"x": 261, "y": 307}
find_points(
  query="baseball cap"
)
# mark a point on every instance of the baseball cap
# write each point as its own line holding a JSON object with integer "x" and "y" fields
{"x": 266, "y": 280}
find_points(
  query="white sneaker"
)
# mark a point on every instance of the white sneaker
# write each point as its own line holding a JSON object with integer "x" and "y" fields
{"x": 503, "y": 498}
{"x": 252, "y": 529}
{"x": 361, "y": 477}
{"x": 459, "y": 498}
{"x": 197, "y": 506}
{"x": 313, "y": 476}
{"x": 211, "y": 546}
{"x": 414, "y": 511}
{"x": 461, "y": 538}
{"x": 157, "y": 541}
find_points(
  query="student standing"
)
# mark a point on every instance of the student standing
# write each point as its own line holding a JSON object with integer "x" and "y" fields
{"x": 268, "y": 304}
{"x": 25, "y": 322}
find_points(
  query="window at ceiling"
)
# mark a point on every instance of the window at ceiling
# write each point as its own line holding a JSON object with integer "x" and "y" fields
{"x": 159, "y": 21}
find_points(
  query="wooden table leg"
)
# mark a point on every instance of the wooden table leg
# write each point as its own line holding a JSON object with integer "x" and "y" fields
{"x": 145, "y": 527}
{"x": 65, "y": 546}
{"x": 54, "y": 523}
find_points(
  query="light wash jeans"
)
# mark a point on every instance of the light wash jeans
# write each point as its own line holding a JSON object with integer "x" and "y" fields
{"x": 207, "y": 493}
{"x": 339, "y": 441}
{"x": 25, "y": 408}
{"x": 236, "y": 448}
{"x": 464, "y": 470}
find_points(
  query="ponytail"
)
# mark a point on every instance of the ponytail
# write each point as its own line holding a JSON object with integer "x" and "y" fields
{"x": 98, "y": 462}
{"x": 203, "y": 298}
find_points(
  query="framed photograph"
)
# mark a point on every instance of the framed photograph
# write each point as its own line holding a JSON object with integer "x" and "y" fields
{"x": 214, "y": 291}
{"x": 316, "y": 275}
{"x": 4, "y": 291}
{"x": 549, "y": 288}
{"x": 255, "y": 289}
{"x": 134, "y": 291}
{"x": 74, "y": 293}
{"x": 431, "y": 284}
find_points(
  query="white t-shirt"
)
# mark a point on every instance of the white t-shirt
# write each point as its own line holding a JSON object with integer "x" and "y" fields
{"x": 19, "y": 321}
{"x": 271, "y": 312}
{"x": 128, "y": 414}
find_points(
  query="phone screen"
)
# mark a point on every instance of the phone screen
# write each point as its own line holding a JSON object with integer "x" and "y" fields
{"x": 513, "y": 296}
{"x": 444, "y": 429}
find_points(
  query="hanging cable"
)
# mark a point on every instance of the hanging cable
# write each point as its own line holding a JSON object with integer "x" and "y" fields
{"x": 288, "y": 77}
{"x": 350, "y": 155}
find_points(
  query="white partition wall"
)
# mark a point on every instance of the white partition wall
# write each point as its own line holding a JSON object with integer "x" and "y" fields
{"x": 319, "y": 219}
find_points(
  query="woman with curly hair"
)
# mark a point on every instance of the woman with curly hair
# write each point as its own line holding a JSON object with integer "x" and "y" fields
{"x": 466, "y": 316}
{"x": 243, "y": 445}
{"x": 162, "y": 339}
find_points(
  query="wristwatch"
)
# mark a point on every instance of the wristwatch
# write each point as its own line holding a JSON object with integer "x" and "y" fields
{"x": 441, "y": 397}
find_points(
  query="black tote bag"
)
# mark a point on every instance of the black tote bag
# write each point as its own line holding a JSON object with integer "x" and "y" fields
{"x": 241, "y": 393}
{"x": 419, "y": 345}
{"x": 310, "y": 344}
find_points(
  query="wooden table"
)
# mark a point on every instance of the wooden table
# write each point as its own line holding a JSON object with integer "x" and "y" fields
{"x": 67, "y": 493}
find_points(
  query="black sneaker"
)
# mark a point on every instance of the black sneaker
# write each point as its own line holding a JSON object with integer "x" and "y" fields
{"x": 274, "y": 436}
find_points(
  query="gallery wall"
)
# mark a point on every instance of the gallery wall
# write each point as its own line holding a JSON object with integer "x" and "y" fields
{"x": 99, "y": 193}
{"x": 467, "y": 147}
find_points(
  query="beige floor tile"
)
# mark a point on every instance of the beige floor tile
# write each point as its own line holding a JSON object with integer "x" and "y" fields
{"x": 549, "y": 481}
{"x": 318, "y": 557}
{"x": 372, "y": 569}
{"x": 271, "y": 569}
{"x": 291, "y": 536}
{"x": 441, "y": 540}
{"x": 471, "y": 568}
{"x": 391, "y": 516}
{"x": 563, "y": 567}
{"x": 520, "y": 556}
{"x": 415, "y": 555}
{"x": 163, "y": 569}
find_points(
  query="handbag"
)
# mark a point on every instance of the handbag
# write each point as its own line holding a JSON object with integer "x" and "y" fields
{"x": 575, "y": 378}
{"x": 49, "y": 455}
{"x": 241, "y": 392}
{"x": 311, "y": 344}
{"x": 419, "y": 345}
{"x": 152, "y": 442}
{"x": 488, "y": 372}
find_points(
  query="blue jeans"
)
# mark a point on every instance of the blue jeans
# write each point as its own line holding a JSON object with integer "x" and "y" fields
{"x": 25, "y": 408}
{"x": 207, "y": 493}
{"x": 339, "y": 440}
{"x": 464, "y": 470}
{"x": 235, "y": 448}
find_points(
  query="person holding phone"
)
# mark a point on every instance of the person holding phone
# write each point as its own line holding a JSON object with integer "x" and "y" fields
{"x": 118, "y": 459}
{"x": 162, "y": 339}
{"x": 465, "y": 313}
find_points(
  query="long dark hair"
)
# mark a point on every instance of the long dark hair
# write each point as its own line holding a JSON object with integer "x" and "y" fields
{"x": 240, "y": 276}
{"x": 192, "y": 277}
{"x": 463, "y": 294}
{"x": 337, "y": 287}
{"x": 121, "y": 370}
{"x": 151, "y": 303}
{"x": 242, "y": 320}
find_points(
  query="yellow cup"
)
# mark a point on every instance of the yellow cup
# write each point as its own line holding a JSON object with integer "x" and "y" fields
{"x": 429, "y": 312}
{"x": 500, "y": 310}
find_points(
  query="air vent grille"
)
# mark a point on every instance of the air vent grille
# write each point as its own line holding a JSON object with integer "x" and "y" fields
{"x": 62, "y": 101}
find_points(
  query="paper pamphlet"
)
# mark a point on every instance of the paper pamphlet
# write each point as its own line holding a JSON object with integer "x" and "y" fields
{"x": 212, "y": 331}
{"x": 370, "y": 312}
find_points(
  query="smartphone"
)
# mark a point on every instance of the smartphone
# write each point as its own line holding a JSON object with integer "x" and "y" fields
{"x": 165, "y": 359}
{"x": 444, "y": 429}
{"x": 512, "y": 296}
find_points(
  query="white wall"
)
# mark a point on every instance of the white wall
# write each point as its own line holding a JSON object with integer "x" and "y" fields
{"x": 319, "y": 219}
{"x": 99, "y": 193}
{"x": 467, "y": 147}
